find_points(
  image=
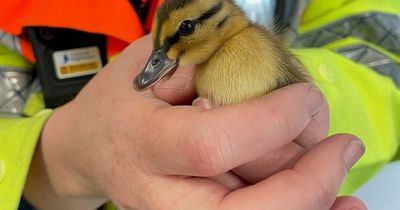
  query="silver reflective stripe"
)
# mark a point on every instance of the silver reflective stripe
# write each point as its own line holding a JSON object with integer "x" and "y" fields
{"x": 14, "y": 90}
{"x": 291, "y": 30}
{"x": 259, "y": 11}
{"x": 378, "y": 28}
{"x": 35, "y": 86}
{"x": 11, "y": 42}
{"x": 374, "y": 59}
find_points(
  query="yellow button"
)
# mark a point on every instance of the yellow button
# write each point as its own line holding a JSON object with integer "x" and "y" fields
{"x": 326, "y": 73}
{"x": 2, "y": 170}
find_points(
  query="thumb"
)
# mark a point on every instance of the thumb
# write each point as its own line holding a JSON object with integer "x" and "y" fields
{"x": 324, "y": 168}
{"x": 313, "y": 182}
{"x": 348, "y": 203}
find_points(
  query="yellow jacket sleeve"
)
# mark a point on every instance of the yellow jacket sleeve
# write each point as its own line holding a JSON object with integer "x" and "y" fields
{"x": 18, "y": 138}
{"x": 362, "y": 89}
{"x": 362, "y": 102}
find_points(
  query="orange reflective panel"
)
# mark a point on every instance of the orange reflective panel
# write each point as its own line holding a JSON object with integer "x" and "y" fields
{"x": 115, "y": 18}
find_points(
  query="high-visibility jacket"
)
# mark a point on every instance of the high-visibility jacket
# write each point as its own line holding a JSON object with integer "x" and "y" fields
{"x": 357, "y": 71}
{"x": 116, "y": 19}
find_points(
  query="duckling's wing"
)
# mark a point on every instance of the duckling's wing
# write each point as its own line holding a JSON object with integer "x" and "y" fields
{"x": 249, "y": 65}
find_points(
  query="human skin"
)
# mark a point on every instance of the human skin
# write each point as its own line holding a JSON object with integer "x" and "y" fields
{"x": 145, "y": 150}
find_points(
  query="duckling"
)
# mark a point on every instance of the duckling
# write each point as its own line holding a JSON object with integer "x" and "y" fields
{"x": 235, "y": 60}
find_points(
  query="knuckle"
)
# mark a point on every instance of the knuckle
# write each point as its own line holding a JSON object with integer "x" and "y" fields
{"x": 208, "y": 153}
{"x": 279, "y": 119}
{"x": 319, "y": 195}
{"x": 205, "y": 159}
{"x": 324, "y": 194}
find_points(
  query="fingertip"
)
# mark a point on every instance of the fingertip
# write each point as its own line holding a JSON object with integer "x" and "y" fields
{"x": 343, "y": 150}
{"x": 316, "y": 130}
{"x": 353, "y": 152}
{"x": 175, "y": 96}
{"x": 203, "y": 103}
{"x": 314, "y": 98}
{"x": 348, "y": 203}
{"x": 177, "y": 81}
{"x": 178, "y": 88}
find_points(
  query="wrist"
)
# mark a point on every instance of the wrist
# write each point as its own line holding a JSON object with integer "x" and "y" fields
{"x": 58, "y": 176}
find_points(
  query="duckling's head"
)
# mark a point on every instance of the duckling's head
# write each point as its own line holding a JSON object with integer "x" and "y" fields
{"x": 188, "y": 32}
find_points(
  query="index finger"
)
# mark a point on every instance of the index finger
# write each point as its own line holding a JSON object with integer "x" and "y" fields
{"x": 177, "y": 89}
{"x": 210, "y": 142}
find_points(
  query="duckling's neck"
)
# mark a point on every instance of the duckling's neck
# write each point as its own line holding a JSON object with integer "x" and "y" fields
{"x": 233, "y": 21}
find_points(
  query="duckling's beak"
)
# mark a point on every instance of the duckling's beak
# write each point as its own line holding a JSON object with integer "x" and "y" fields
{"x": 156, "y": 68}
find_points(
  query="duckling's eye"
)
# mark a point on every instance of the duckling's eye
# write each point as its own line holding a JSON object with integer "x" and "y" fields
{"x": 187, "y": 28}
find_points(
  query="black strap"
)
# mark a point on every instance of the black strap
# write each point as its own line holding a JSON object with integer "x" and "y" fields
{"x": 25, "y": 205}
{"x": 142, "y": 8}
{"x": 45, "y": 41}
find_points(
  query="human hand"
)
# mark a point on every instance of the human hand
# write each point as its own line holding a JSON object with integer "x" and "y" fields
{"x": 113, "y": 142}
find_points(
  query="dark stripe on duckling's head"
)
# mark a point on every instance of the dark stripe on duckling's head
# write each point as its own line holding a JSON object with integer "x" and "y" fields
{"x": 222, "y": 23}
{"x": 164, "y": 14}
{"x": 171, "y": 41}
{"x": 168, "y": 7}
{"x": 211, "y": 12}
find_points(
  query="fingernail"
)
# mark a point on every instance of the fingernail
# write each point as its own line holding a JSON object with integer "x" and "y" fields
{"x": 354, "y": 150}
{"x": 315, "y": 100}
{"x": 179, "y": 81}
{"x": 202, "y": 102}
{"x": 355, "y": 208}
